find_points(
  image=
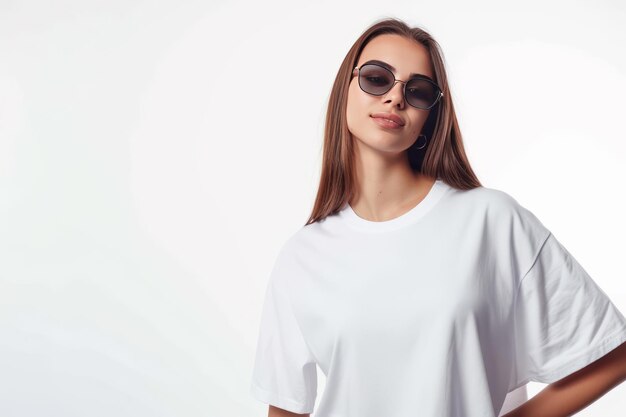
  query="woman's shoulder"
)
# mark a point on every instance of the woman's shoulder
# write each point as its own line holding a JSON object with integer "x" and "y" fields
{"x": 495, "y": 200}
{"x": 498, "y": 205}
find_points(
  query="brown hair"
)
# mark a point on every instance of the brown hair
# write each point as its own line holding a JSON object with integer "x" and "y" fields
{"x": 443, "y": 157}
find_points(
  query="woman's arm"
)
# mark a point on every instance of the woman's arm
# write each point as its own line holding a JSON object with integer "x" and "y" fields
{"x": 279, "y": 412}
{"x": 571, "y": 394}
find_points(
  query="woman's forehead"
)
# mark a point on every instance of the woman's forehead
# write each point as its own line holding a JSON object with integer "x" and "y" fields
{"x": 398, "y": 54}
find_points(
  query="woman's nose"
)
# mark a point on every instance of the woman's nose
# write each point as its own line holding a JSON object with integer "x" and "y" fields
{"x": 396, "y": 93}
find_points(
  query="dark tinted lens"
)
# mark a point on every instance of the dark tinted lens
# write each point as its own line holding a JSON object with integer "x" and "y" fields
{"x": 421, "y": 93}
{"x": 377, "y": 80}
{"x": 374, "y": 79}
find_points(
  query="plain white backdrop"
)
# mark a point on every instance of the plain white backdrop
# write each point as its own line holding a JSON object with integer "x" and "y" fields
{"x": 154, "y": 156}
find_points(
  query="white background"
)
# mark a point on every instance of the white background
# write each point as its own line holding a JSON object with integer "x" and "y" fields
{"x": 154, "y": 156}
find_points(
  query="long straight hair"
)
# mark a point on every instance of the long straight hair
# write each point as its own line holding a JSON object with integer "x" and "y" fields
{"x": 444, "y": 156}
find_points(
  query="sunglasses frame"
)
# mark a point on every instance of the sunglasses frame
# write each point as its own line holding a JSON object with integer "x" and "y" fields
{"x": 395, "y": 80}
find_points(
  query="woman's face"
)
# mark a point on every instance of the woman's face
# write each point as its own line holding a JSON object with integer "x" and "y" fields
{"x": 406, "y": 56}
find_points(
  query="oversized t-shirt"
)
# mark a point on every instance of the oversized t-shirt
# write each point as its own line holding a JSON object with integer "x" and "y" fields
{"x": 439, "y": 312}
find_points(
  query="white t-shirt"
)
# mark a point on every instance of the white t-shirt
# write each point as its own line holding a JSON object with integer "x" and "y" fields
{"x": 439, "y": 312}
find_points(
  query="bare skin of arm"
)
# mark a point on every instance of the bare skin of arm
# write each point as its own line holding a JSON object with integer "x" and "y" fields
{"x": 279, "y": 412}
{"x": 571, "y": 394}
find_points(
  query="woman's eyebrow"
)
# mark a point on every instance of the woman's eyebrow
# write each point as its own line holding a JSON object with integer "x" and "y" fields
{"x": 391, "y": 68}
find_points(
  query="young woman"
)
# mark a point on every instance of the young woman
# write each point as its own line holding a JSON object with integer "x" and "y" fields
{"x": 416, "y": 290}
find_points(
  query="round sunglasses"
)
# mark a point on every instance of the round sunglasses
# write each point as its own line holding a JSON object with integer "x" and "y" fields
{"x": 419, "y": 92}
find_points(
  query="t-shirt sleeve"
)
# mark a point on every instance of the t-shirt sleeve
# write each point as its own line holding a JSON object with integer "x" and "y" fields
{"x": 285, "y": 371}
{"x": 563, "y": 320}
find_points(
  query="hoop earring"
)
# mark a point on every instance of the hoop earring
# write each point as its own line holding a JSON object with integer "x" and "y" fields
{"x": 425, "y": 141}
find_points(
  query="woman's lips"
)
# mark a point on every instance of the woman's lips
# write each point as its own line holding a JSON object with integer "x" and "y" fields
{"x": 391, "y": 116}
{"x": 386, "y": 123}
